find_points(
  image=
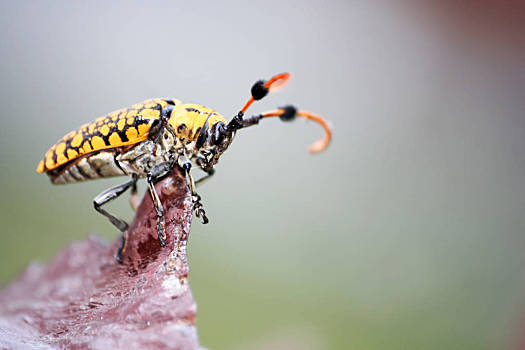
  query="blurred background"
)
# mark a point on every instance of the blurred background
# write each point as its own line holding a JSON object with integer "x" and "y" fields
{"x": 407, "y": 233}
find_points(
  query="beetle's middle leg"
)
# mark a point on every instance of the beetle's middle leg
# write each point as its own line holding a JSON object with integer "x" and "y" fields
{"x": 134, "y": 200}
{"x": 155, "y": 175}
{"x": 109, "y": 195}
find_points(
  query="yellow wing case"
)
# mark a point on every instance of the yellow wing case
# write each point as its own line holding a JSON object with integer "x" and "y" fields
{"x": 120, "y": 128}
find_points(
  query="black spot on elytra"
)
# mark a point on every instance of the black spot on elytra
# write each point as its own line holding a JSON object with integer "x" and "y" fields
{"x": 123, "y": 136}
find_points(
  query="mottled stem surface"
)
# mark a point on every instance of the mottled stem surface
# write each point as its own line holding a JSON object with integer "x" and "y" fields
{"x": 84, "y": 299}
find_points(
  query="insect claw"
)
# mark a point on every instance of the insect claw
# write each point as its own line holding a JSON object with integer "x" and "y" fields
{"x": 162, "y": 241}
{"x": 197, "y": 208}
{"x": 119, "y": 257}
{"x": 204, "y": 217}
{"x": 161, "y": 233}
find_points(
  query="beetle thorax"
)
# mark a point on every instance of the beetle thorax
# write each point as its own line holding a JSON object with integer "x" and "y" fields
{"x": 140, "y": 159}
{"x": 199, "y": 133}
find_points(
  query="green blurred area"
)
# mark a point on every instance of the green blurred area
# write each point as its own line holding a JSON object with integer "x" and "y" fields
{"x": 407, "y": 233}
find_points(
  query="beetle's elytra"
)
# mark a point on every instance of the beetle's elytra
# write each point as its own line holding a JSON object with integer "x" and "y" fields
{"x": 148, "y": 139}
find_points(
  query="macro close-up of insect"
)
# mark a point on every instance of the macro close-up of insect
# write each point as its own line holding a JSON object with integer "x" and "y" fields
{"x": 375, "y": 197}
{"x": 149, "y": 139}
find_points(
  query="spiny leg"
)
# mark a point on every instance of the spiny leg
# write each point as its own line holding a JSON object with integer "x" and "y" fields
{"x": 155, "y": 175}
{"x": 185, "y": 164}
{"x": 107, "y": 196}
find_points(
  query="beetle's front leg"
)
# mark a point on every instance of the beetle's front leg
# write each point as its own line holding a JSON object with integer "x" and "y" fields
{"x": 203, "y": 163}
{"x": 134, "y": 200}
{"x": 185, "y": 164}
{"x": 153, "y": 176}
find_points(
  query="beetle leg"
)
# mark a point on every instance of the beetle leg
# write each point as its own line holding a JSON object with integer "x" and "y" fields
{"x": 107, "y": 196}
{"x": 198, "y": 208}
{"x": 185, "y": 164}
{"x": 134, "y": 199}
{"x": 155, "y": 175}
{"x": 165, "y": 115}
{"x": 122, "y": 248}
{"x": 209, "y": 173}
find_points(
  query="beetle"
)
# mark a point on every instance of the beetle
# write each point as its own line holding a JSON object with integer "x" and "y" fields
{"x": 148, "y": 139}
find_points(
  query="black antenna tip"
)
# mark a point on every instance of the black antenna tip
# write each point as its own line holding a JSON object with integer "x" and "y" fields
{"x": 289, "y": 113}
{"x": 259, "y": 90}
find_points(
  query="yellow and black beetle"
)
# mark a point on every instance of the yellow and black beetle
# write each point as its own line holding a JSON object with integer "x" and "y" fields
{"x": 148, "y": 139}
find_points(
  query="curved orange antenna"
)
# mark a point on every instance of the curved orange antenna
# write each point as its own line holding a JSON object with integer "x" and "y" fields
{"x": 277, "y": 82}
{"x": 320, "y": 145}
{"x": 317, "y": 146}
{"x": 274, "y": 84}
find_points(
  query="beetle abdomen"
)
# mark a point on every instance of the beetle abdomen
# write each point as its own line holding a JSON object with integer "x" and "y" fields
{"x": 94, "y": 166}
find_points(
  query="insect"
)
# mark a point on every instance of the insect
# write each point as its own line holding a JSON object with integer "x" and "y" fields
{"x": 148, "y": 139}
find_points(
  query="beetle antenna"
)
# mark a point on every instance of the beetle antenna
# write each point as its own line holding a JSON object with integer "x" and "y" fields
{"x": 288, "y": 113}
{"x": 259, "y": 90}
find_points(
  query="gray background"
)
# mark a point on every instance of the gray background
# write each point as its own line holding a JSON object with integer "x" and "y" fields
{"x": 407, "y": 233}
